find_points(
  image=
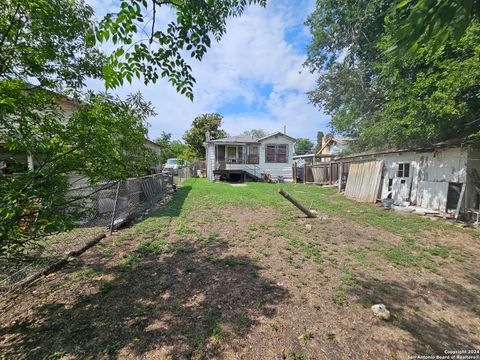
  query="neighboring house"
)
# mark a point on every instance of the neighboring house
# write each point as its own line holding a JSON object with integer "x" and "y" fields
{"x": 443, "y": 177}
{"x": 238, "y": 157}
{"x": 157, "y": 149}
{"x": 334, "y": 145}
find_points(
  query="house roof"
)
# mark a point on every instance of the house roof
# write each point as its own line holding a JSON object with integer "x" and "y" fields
{"x": 235, "y": 139}
{"x": 152, "y": 143}
{"x": 453, "y": 143}
{"x": 248, "y": 139}
{"x": 316, "y": 156}
{"x": 337, "y": 139}
{"x": 278, "y": 133}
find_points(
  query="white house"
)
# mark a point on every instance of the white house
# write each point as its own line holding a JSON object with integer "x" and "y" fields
{"x": 238, "y": 157}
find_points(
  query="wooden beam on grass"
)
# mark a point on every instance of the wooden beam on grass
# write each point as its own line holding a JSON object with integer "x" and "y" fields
{"x": 295, "y": 202}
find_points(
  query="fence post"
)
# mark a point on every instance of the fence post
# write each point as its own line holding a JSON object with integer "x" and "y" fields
{"x": 114, "y": 208}
{"x": 340, "y": 174}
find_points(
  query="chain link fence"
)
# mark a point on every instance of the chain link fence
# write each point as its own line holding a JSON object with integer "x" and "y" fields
{"x": 100, "y": 209}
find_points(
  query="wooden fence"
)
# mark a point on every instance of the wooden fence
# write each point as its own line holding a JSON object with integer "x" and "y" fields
{"x": 325, "y": 173}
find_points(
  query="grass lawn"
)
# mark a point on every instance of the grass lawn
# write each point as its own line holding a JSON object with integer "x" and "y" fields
{"x": 234, "y": 273}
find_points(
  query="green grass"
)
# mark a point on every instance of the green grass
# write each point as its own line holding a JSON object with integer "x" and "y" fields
{"x": 234, "y": 262}
{"x": 212, "y": 323}
{"x": 155, "y": 247}
{"x": 440, "y": 251}
{"x": 106, "y": 252}
{"x": 360, "y": 256}
{"x": 309, "y": 249}
{"x": 111, "y": 348}
{"x": 339, "y": 297}
{"x": 348, "y": 278}
{"x": 200, "y": 194}
{"x": 130, "y": 262}
{"x": 240, "y": 322}
{"x": 86, "y": 274}
{"x": 400, "y": 256}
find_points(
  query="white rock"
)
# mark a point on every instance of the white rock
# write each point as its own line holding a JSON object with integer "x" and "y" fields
{"x": 381, "y": 311}
{"x": 308, "y": 227}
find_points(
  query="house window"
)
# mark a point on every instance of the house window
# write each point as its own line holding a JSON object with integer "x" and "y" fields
{"x": 282, "y": 153}
{"x": 403, "y": 170}
{"x": 276, "y": 153}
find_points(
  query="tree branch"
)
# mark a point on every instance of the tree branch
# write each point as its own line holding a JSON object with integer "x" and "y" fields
{"x": 9, "y": 26}
{"x": 153, "y": 22}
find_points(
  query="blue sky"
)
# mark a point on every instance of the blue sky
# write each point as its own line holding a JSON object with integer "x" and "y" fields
{"x": 254, "y": 76}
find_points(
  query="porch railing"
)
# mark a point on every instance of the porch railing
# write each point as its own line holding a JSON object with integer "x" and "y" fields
{"x": 230, "y": 164}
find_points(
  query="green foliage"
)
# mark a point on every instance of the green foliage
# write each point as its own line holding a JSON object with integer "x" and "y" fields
{"x": 143, "y": 49}
{"x": 195, "y": 137}
{"x": 400, "y": 256}
{"x": 255, "y": 133}
{"x": 384, "y": 96}
{"x": 99, "y": 140}
{"x": 212, "y": 323}
{"x": 172, "y": 149}
{"x": 320, "y": 136}
{"x": 431, "y": 23}
{"x": 303, "y": 146}
{"x": 44, "y": 40}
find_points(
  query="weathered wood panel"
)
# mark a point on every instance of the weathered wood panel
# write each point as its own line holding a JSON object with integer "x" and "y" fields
{"x": 364, "y": 180}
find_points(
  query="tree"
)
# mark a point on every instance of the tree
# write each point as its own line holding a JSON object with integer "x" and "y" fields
{"x": 343, "y": 51}
{"x": 171, "y": 149}
{"x": 43, "y": 41}
{"x": 431, "y": 23}
{"x": 255, "y": 133}
{"x": 202, "y": 124}
{"x": 143, "y": 49}
{"x": 320, "y": 136}
{"x": 99, "y": 140}
{"x": 303, "y": 146}
{"x": 384, "y": 98}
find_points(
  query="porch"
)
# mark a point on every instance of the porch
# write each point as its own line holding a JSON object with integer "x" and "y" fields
{"x": 237, "y": 162}
{"x": 234, "y": 156}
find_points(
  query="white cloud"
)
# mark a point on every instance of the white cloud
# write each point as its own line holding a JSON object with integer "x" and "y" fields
{"x": 258, "y": 52}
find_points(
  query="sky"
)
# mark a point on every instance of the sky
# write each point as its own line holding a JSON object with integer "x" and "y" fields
{"x": 254, "y": 76}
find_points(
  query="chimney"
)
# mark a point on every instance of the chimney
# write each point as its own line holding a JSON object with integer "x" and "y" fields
{"x": 207, "y": 136}
{"x": 285, "y": 129}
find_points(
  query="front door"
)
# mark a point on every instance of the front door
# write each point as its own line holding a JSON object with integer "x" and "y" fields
{"x": 232, "y": 154}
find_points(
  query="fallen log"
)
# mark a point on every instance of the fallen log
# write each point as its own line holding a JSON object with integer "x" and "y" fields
{"x": 295, "y": 202}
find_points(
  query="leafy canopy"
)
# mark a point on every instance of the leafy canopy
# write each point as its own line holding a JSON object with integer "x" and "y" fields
{"x": 195, "y": 137}
{"x": 172, "y": 149}
{"x": 303, "y": 146}
{"x": 387, "y": 98}
{"x": 44, "y": 40}
{"x": 95, "y": 135}
{"x": 152, "y": 51}
{"x": 431, "y": 22}
{"x": 255, "y": 133}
